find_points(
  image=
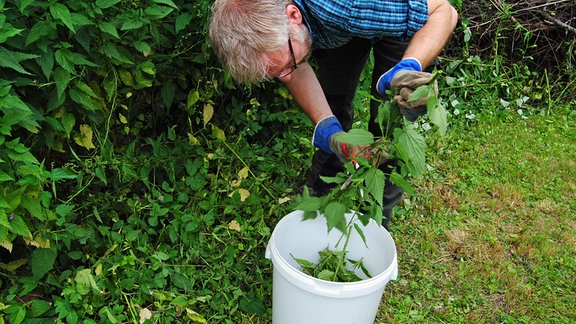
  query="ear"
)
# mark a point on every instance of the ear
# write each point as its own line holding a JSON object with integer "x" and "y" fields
{"x": 294, "y": 14}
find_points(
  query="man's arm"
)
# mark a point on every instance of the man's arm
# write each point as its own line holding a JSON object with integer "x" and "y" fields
{"x": 428, "y": 42}
{"x": 306, "y": 90}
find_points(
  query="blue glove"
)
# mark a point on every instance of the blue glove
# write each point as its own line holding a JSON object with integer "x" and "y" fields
{"x": 408, "y": 64}
{"x": 325, "y": 140}
{"x": 324, "y": 131}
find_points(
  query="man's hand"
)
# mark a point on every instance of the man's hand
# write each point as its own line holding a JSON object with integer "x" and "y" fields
{"x": 324, "y": 138}
{"x": 403, "y": 79}
{"x": 345, "y": 151}
{"x": 405, "y": 82}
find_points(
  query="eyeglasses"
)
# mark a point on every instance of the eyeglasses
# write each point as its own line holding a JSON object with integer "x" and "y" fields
{"x": 294, "y": 66}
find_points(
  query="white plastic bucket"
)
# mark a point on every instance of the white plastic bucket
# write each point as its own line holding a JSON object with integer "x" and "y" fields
{"x": 298, "y": 298}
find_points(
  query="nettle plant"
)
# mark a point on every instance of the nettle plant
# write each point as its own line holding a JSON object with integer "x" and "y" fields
{"x": 359, "y": 189}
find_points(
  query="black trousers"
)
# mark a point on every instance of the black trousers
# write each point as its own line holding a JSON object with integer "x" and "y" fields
{"x": 339, "y": 71}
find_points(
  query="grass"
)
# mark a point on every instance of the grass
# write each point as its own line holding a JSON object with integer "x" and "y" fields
{"x": 491, "y": 236}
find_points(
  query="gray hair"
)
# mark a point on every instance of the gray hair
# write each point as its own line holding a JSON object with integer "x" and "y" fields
{"x": 243, "y": 31}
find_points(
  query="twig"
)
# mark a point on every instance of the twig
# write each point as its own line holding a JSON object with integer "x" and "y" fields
{"x": 546, "y": 4}
{"x": 557, "y": 22}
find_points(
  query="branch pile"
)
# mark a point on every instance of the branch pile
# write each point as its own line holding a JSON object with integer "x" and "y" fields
{"x": 542, "y": 29}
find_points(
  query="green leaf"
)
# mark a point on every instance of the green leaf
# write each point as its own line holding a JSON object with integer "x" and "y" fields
{"x": 42, "y": 262}
{"x": 6, "y": 33}
{"x": 148, "y": 67}
{"x": 59, "y": 174}
{"x": 411, "y": 148}
{"x": 15, "y": 104}
{"x": 82, "y": 99}
{"x": 252, "y": 306}
{"x": 19, "y": 152}
{"x": 68, "y": 122}
{"x": 375, "y": 180}
{"x": 422, "y": 92}
{"x": 80, "y": 20}
{"x": 24, "y": 4}
{"x": 132, "y": 24}
{"x": 142, "y": 47}
{"x": 85, "y": 281}
{"x": 63, "y": 210}
{"x": 46, "y": 62}
{"x": 193, "y": 97}
{"x": 182, "y": 21}
{"x": 86, "y": 89}
{"x": 61, "y": 12}
{"x": 355, "y": 136}
{"x": 310, "y": 204}
{"x": 61, "y": 79}
{"x": 5, "y": 177}
{"x": 42, "y": 29}
{"x": 168, "y": 93}
{"x": 11, "y": 60}
{"x": 334, "y": 213}
{"x": 109, "y": 29}
{"x": 101, "y": 175}
{"x": 438, "y": 114}
{"x": 401, "y": 182}
{"x": 158, "y": 12}
{"x": 167, "y": 2}
{"x": 104, "y": 4}
{"x": 327, "y": 275}
{"x": 114, "y": 53}
{"x": 181, "y": 281}
{"x": 63, "y": 58}
{"x": 39, "y": 307}
{"x": 361, "y": 233}
{"x": 18, "y": 227}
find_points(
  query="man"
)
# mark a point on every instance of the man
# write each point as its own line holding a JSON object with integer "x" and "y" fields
{"x": 261, "y": 39}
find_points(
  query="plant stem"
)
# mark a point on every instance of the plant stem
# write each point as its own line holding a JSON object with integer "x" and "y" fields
{"x": 342, "y": 255}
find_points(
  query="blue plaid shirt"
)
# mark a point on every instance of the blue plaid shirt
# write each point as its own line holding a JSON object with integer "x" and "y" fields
{"x": 332, "y": 23}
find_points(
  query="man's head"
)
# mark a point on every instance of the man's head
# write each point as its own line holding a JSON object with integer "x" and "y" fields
{"x": 251, "y": 37}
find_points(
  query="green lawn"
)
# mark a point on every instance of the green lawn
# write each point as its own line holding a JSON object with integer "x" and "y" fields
{"x": 491, "y": 236}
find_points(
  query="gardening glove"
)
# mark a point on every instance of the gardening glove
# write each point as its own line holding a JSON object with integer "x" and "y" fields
{"x": 403, "y": 79}
{"x": 325, "y": 140}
